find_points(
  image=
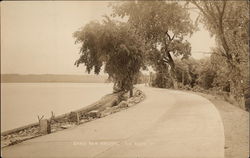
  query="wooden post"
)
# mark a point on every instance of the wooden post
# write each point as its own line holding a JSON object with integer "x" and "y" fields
{"x": 77, "y": 118}
{"x": 131, "y": 92}
{"x": 45, "y": 127}
{"x": 150, "y": 79}
{"x": 74, "y": 117}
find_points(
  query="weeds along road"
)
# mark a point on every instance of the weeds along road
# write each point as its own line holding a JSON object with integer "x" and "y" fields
{"x": 167, "y": 124}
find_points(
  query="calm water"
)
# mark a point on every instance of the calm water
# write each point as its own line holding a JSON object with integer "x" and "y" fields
{"x": 21, "y": 103}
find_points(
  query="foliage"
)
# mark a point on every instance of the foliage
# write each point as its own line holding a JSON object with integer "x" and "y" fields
{"x": 191, "y": 73}
{"x": 163, "y": 25}
{"x": 206, "y": 75}
{"x": 114, "y": 45}
{"x": 154, "y": 35}
{"x": 141, "y": 78}
{"x": 187, "y": 71}
{"x": 162, "y": 80}
{"x": 228, "y": 21}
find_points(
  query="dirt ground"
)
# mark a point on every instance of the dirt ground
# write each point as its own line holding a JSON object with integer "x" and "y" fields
{"x": 236, "y": 127}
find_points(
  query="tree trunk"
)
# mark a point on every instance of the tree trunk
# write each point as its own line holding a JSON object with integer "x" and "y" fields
{"x": 172, "y": 70}
{"x": 182, "y": 79}
{"x": 131, "y": 92}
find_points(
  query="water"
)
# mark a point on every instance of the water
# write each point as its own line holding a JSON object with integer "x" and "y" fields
{"x": 21, "y": 103}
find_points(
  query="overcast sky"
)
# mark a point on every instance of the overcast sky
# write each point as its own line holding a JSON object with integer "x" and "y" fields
{"x": 36, "y": 37}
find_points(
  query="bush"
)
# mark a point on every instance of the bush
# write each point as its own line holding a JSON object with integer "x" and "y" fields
{"x": 162, "y": 81}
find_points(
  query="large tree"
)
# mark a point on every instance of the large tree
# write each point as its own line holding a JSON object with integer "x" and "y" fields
{"x": 228, "y": 21}
{"x": 164, "y": 26}
{"x": 114, "y": 45}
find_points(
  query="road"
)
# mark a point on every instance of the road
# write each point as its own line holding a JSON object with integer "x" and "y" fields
{"x": 168, "y": 123}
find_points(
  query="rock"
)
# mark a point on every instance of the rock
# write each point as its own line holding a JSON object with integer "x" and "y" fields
{"x": 94, "y": 114}
{"x": 20, "y": 132}
{"x": 83, "y": 120}
{"x": 66, "y": 126}
{"x": 142, "y": 97}
{"x": 125, "y": 96}
{"x": 130, "y": 104}
{"x": 115, "y": 109}
{"x": 130, "y": 100}
{"x": 5, "y": 143}
{"x": 15, "y": 141}
{"x": 107, "y": 111}
{"x": 8, "y": 137}
{"x": 137, "y": 93}
{"x": 53, "y": 130}
{"x": 123, "y": 104}
{"x": 137, "y": 100}
{"x": 103, "y": 114}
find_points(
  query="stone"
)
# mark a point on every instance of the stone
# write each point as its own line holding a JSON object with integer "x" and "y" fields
{"x": 138, "y": 93}
{"x": 20, "y": 132}
{"x": 137, "y": 100}
{"x": 94, "y": 114}
{"x": 123, "y": 104}
{"x": 130, "y": 104}
{"x": 15, "y": 141}
{"x": 107, "y": 111}
{"x": 130, "y": 100}
{"x": 66, "y": 126}
{"x": 115, "y": 110}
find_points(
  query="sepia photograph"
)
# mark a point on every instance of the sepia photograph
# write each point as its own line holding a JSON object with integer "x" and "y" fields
{"x": 125, "y": 79}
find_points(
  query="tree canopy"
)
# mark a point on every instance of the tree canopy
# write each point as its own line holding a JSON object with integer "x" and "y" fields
{"x": 154, "y": 34}
{"x": 228, "y": 21}
{"x": 163, "y": 25}
{"x": 114, "y": 45}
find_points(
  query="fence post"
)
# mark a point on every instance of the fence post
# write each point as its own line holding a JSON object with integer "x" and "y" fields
{"x": 45, "y": 127}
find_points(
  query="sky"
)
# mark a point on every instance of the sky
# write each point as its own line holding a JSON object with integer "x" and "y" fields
{"x": 36, "y": 36}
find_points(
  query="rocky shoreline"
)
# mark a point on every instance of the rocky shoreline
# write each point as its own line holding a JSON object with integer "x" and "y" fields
{"x": 107, "y": 105}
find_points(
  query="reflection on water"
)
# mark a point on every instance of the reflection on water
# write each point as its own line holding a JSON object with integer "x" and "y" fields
{"x": 21, "y": 103}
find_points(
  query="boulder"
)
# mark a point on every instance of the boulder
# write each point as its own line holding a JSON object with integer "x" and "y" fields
{"x": 94, "y": 114}
{"x": 137, "y": 100}
{"x": 66, "y": 126}
{"x": 107, "y": 111}
{"x": 137, "y": 93}
{"x": 122, "y": 104}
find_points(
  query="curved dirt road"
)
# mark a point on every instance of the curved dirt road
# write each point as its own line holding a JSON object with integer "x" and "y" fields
{"x": 168, "y": 123}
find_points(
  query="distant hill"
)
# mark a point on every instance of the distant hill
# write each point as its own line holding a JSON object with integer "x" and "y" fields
{"x": 17, "y": 78}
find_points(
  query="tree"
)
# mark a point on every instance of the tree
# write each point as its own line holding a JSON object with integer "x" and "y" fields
{"x": 163, "y": 25}
{"x": 229, "y": 22}
{"x": 207, "y": 74}
{"x": 182, "y": 71}
{"x": 114, "y": 45}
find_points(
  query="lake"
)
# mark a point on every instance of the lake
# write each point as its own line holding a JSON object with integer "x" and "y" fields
{"x": 21, "y": 103}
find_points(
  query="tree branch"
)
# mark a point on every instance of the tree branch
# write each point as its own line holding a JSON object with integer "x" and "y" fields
{"x": 224, "y": 6}
{"x": 207, "y": 15}
{"x": 169, "y": 38}
{"x": 173, "y": 37}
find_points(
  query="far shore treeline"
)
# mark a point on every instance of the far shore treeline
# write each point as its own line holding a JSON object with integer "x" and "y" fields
{"x": 39, "y": 78}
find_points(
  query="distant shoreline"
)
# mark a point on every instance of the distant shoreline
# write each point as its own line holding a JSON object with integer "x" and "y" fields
{"x": 46, "y": 78}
